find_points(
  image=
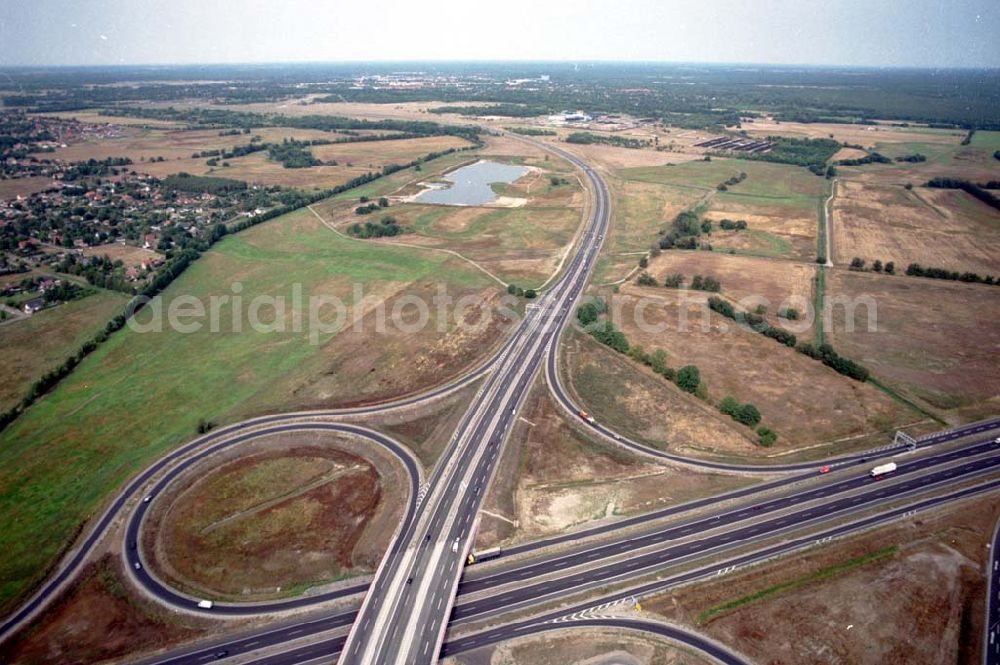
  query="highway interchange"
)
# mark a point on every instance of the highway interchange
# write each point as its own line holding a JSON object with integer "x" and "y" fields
{"x": 419, "y": 591}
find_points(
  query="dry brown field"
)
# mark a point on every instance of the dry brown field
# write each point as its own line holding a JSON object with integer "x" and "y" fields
{"x": 936, "y": 339}
{"x": 744, "y": 278}
{"x": 24, "y": 187}
{"x": 127, "y": 254}
{"x": 97, "y": 619}
{"x": 805, "y": 402}
{"x": 848, "y": 153}
{"x": 553, "y": 477}
{"x": 779, "y": 229}
{"x": 922, "y": 603}
{"x": 865, "y": 135}
{"x": 940, "y": 228}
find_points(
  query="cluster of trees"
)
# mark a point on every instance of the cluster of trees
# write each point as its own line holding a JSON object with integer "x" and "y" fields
{"x": 591, "y": 311}
{"x": 971, "y": 188}
{"x": 557, "y": 181}
{"x": 644, "y": 278}
{"x": 858, "y": 265}
{"x": 914, "y": 158}
{"x": 735, "y": 180}
{"x": 95, "y": 168}
{"x": 871, "y": 158}
{"x": 387, "y": 227}
{"x": 520, "y": 292}
{"x": 766, "y": 436}
{"x": 66, "y": 291}
{"x": 968, "y": 136}
{"x": 587, "y": 138}
{"x": 753, "y": 320}
{"x": 789, "y": 313}
{"x": 810, "y": 153}
{"x": 833, "y": 360}
{"x": 531, "y": 131}
{"x": 698, "y": 282}
{"x": 292, "y": 154}
{"x": 185, "y": 182}
{"x": 99, "y": 271}
{"x": 996, "y": 155}
{"x": 683, "y": 232}
{"x": 746, "y": 414}
{"x": 916, "y": 270}
{"x": 730, "y": 225}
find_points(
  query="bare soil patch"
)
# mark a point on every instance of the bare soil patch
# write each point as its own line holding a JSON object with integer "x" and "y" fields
{"x": 278, "y": 518}
{"x": 580, "y": 647}
{"x": 935, "y": 339}
{"x": 554, "y": 477}
{"x": 127, "y": 254}
{"x": 97, "y": 619}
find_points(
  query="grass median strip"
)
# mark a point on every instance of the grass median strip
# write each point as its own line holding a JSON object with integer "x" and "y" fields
{"x": 822, "y": 574}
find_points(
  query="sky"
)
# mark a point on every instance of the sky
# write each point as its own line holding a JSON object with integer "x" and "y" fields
{"x": 892, "y": 33}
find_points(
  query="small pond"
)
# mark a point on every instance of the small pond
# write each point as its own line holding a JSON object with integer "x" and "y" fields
{"x": 471, "y": 184}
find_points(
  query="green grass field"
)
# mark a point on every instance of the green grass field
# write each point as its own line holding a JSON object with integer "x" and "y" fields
{"x": 140, "y": 394}
{"x": 37, "y": 344}
{"x": 764, "y": 179}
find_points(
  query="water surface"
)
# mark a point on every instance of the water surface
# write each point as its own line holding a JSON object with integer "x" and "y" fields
{"x": 470, "y": 185}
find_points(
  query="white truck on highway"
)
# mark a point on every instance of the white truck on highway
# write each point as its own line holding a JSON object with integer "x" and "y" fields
{"x": 205, "y": 604}
{"x": 882, "y": 469}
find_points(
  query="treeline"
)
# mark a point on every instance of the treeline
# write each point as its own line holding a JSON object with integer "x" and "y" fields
{"x": 970, "y": 187}
{"x": 185, "y": 182}
{"x": 587, "y": 138}
{"x": 531, "y": 131}
{"x": 179, "y": 263}
{"x": 872, "y": 158}
{"x": 503, "y": 109}
{"x": 914, "y": 158}
{"x": 735, "y": 180}
{"x": 823, "y": 352}
{"x": 327, "y": 123}
{"x": 916, "y": 270}
{"x": 752, "y": 320}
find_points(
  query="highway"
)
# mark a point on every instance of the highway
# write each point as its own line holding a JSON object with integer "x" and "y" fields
{"x": 404, "y": 615}
{"x": 991, "y": 636}
{"x": 326, "y": 647}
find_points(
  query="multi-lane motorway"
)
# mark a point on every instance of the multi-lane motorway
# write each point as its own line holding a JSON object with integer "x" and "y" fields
{"x": 418, "y": 590}
{"x": 404, "y": 614}
{"x": 991, "y": 639}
